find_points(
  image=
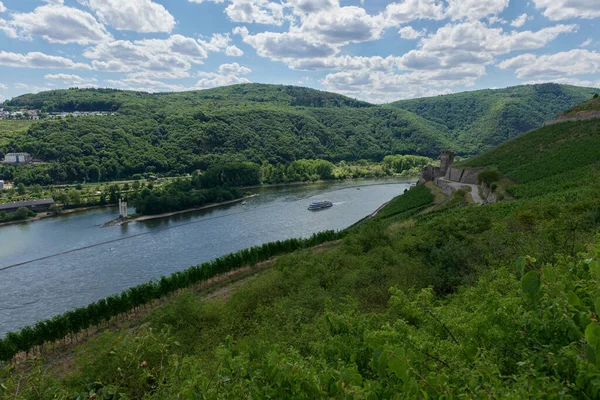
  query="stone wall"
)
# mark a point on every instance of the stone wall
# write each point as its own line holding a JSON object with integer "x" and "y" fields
{"x": 463, "y": 175}
{"x": 444, "y": 186}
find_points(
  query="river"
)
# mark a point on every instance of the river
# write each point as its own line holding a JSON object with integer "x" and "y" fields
{"x": 52, "y": 265}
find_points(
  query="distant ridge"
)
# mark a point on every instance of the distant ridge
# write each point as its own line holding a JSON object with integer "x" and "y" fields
{"x": 482, "y": 119}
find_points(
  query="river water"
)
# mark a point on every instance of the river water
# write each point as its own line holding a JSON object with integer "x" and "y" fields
{"x": 50, "y": 266}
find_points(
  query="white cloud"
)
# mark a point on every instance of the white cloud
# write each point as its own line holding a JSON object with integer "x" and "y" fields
{"x": 410, "y": 10}
{"x": 409, "y": 33}
{"x": 252, "y": 11}
{"x": 285, "y": 46}
{"x": 567, "y": 63}
{"x": 59, "y": 24}
{"x": 38, "y": 60}
{"x": 134, "y": 15}
{"x": 8, "y": 29}
{"x": 233, "y": 69}
{"x": 586, "y": 43}
{"x": 2, "y": 7}
{"x": 375, "y": 63}
{"x": 381, "y": 87}
{"x": 341, "y": 26}
{"x": 21, "y": 86}
{"x": 227, "y": 74}
{"x": 474, "y": 9}
{"x": 234, "y": 51}
{"x": 218, "y": 42}
{"x": 2, "y": 86}
{"x": 495, "y": 20}
{"x": 171, "y": 57}
{"x": 214, "y": 80}
{"x": 520, "y": 20}
{"x": 475, "y": 37}
{"x": 311, "y": 6}
{"x": 556, "y": 10}
{"x": 71, "y": 80}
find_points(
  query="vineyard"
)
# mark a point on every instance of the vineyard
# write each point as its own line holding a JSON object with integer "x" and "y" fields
{"x": 546, "y": 152}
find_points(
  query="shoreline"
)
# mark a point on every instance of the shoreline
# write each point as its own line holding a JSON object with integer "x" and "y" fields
{"x": 171, "y": 213}
{"x": 46, "y": 214}
{"x": 272, "y": 185}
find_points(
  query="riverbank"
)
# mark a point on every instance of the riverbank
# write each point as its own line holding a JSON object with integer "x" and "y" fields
{"x": 43, "y": 215}
{"x": 275, "y": 185}
{"x": 119, "y": 222}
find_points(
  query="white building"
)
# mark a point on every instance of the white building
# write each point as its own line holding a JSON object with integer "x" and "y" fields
{"x": 17, "y": 158}
{"x": 1, "y": 184}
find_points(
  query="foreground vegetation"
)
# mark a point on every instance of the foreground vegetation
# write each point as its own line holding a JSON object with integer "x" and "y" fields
{"x": 177, "y": 133}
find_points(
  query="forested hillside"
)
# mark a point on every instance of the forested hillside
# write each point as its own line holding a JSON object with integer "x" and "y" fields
{"x": 482, "y": 119}
{"x": 180, "y": 132}
{"x": 175, "y": 133}
{"x": 446, "y": 301}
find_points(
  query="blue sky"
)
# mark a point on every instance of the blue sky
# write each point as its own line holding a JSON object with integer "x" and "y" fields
{"x": 374, "y": 50}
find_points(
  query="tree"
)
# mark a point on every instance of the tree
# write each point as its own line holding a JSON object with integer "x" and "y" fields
{"x": 74, "y": 197}
{"x": 488, "y": 176}
{"x": 21, "y": 189}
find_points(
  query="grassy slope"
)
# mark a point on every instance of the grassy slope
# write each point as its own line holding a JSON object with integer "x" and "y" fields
{"x": 460, "y": 320}
{"x": 482, "y": 119}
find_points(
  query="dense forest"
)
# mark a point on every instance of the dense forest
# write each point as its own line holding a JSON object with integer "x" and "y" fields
{"x": 176, "y": 133}
{"x": 432, "y": 298}
{"x": 482, "y": 119}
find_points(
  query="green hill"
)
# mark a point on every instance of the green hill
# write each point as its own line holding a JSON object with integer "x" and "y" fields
{"x": 175, "y": 133}
{"x": 446, "y": 301}
{"x": 181, "y": 132}
{"x": 482, "y": 119}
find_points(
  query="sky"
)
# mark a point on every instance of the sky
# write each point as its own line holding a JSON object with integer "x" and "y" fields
{"x": 373, "y": 50}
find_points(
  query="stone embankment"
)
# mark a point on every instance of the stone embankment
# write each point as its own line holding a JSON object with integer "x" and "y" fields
{"x": 580, "y": 116}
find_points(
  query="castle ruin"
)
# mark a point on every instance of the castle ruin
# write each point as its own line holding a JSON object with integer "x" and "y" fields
{"x": 431, "y": 173}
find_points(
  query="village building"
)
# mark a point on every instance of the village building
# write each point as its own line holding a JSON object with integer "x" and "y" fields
{"x": 17, "y": 158}
{"x": 1, "y": 184}
{"x": 33, "y": 205}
